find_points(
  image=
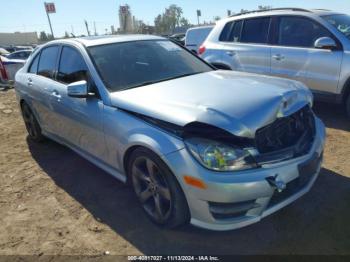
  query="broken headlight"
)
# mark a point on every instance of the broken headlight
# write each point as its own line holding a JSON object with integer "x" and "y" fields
{"x": 218, "y": 156}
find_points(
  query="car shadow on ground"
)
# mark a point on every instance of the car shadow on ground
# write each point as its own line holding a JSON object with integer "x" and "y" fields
{"x": 332, "y": 115}
{"x": 318, "y": 223}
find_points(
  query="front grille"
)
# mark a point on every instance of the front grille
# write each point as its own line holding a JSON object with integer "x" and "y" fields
{"x": 295, "y": 132}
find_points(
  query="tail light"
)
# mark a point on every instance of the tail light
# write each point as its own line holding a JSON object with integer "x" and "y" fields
{"x": 3, "y": 72}
{"x": 201, "y": 49}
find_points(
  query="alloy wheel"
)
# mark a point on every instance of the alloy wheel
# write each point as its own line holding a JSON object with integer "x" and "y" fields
{"x": 152, "y": 189}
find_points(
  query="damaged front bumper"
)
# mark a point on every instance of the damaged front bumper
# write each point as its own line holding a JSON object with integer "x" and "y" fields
{"x": 237, "y": 199}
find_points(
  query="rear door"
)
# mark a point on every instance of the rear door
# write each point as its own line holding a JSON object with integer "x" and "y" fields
{"x": 41, "y": 84}
{"x": 246, "y": 45}
{"x": 295, "y": 57}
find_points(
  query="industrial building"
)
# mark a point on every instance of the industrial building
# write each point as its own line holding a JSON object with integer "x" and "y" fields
{"x": 15, "y": 39}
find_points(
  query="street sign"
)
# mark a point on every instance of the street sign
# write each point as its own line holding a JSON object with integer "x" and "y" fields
{"x": 199, "y": 13}
{"x": 50, "y": 8}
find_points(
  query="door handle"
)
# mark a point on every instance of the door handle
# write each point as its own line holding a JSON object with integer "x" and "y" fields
{"x": 278, "y": 57}
{"x": 56, "y": 94}
{"x": 30, "y": 82}
{"x": 230, "y": 53}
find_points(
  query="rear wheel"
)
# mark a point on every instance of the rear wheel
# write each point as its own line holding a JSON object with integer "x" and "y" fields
{"x": 157, "y": 189}
{"x": 32, "y": 125}
{"x": 347, "y": 105}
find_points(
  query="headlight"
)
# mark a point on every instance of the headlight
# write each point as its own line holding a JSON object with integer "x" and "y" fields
{"x": 218, "y": 156}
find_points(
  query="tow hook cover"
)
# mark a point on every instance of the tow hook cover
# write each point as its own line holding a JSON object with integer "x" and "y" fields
{"x": 277, "y": 184}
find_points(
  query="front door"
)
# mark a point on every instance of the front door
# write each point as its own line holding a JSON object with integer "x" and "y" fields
{"x": 78, "y": 120}
{"x": 295, "y": 57}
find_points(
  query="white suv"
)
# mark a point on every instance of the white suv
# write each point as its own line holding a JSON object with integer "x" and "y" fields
{"x": 312, "y": 46}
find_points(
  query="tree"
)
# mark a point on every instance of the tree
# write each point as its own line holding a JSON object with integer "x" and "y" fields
{"x": 170, "y": 19}
{"x": 264, "y": 7}
{"x": 260, "y": 7}
{"x": 217, "y": 18}
{"x": 43, "y": 36}
{"x": 184, "y": 22}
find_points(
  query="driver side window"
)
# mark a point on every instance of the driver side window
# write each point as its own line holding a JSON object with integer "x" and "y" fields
{"x": 299, "y": 32}
{"x": 72, "y": 67}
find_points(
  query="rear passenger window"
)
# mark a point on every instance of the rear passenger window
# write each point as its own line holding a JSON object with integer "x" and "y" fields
{"x": 231, "y": 32}
{"x": 72, "y": 66}
{"x": 236, "y": 31}
{"x": 47, "y": 63}
{"x": 34, "y": 66}
{"x": 255, "y": 30}
{"x": 225, "y": 34}
{"x": 299, "y": 32}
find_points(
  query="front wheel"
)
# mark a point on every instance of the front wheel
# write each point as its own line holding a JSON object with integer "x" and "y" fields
{"x": 157, "y": 189}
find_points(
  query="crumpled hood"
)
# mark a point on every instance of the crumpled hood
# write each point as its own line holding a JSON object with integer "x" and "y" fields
{"x": 237, "y": 102}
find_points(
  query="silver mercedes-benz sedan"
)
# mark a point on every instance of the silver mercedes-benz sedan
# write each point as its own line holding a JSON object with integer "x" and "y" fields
{"x": 216, "y": 148}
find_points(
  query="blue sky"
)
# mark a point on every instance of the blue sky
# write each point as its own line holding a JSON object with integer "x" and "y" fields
{"x": 29, "y": 15}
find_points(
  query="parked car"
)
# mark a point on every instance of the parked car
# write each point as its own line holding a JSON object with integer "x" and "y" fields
{"x": 3, "y": 51}
{"x": 178, "y": 38}
{"x": 195, "y": 37}
{"x": 311, "y": 46}
{"x": 220, "y": 149}
{"x": 8, "y": 70}
{"x": 19, "y": 55}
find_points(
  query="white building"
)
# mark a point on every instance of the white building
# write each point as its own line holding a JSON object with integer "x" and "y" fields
{"x": 7, "y": 39}
{"x": 125, "y": 19}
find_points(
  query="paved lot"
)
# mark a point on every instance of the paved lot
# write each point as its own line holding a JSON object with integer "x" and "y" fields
{"x": 54, "y": 202}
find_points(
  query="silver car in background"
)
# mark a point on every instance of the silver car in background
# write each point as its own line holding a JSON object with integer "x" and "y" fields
{"x": 196, "y": 36}
{"x": 311, "y": 46}
{"x": 217, "y": 148}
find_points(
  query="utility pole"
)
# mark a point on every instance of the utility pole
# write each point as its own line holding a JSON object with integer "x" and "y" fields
{"x": 95, "y": 28}
{"x": 50, "y": 8}
{"x": 87, "y": 27}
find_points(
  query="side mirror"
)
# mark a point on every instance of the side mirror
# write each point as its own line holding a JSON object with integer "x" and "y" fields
{"x": 78, "y": 89}
{"x": 325, "y": 43}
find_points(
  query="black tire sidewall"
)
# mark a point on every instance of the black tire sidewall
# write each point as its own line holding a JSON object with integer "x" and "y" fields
{"x": 39, "y": 137}
{"x": 347, "y": 106}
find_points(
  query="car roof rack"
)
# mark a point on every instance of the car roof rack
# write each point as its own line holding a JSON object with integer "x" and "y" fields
{"x": 273, "y": 9}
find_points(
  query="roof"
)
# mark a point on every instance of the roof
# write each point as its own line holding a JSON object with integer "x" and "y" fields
{"x": 286, "y": 10}
{"x": 201, "y": 27}
{"x": 108, "y": 39}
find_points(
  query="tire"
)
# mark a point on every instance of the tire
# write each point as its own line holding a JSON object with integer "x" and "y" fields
{"x": 157, "y": 189}
{"x": 32, "y": 125}
{"x": 347, "y": 105}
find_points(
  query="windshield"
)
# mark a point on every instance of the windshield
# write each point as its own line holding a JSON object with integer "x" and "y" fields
{"x": 340, "y": 22}
{"x": 132, "y": 64}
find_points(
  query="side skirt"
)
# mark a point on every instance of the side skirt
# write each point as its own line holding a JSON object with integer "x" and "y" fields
{"x": 107, "y": 168}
